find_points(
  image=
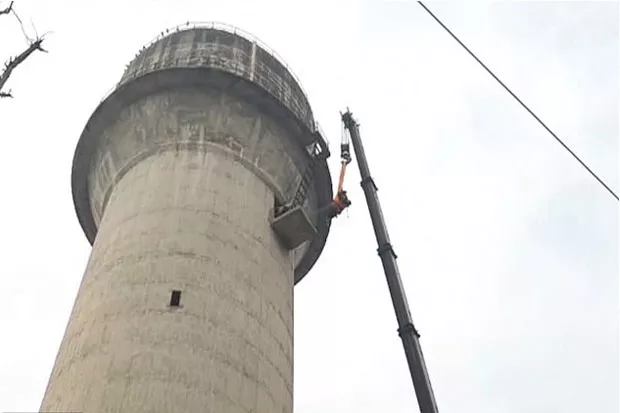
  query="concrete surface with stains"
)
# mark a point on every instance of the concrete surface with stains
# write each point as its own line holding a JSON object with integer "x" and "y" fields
{"x": 174, "y": 178}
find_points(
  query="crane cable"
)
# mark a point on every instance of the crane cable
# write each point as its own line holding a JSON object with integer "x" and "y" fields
{"x": 341, "y": 200}
{"x": 519, "y": 100}
{"x": 345, "y": 158}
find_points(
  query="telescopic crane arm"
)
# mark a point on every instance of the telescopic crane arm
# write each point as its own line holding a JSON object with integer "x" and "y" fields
{"x": 406, "y": 330}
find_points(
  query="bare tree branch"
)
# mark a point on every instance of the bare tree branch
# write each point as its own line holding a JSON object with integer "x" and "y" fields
{"x": 21, "y": 24}
{"x": 7, "y": 10}
{"x": 17, "y": 60}
{"x": 13, "y": 62}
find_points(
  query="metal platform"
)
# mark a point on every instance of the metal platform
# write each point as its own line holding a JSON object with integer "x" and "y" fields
{"x": 293, "y": 227}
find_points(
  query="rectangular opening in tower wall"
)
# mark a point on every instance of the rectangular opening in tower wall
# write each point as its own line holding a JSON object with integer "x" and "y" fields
{"x": 175, "y": 298}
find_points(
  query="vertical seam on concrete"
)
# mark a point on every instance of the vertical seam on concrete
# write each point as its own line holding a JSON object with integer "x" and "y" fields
{"x": 253, "y": 61}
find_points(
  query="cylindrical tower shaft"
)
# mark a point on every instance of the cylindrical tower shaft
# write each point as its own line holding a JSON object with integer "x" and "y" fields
{"x": 186, "y": 304}
{"x": 192, "y": 222}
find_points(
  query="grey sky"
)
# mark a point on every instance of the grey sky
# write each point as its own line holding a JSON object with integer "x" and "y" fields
{"x": 507, "y": 247}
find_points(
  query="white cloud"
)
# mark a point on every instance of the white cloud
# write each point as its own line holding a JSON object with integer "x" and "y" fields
{"x": 508, "y": 249}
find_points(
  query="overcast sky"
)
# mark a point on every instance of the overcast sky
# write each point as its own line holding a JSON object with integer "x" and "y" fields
{"x": 508, "y": 249}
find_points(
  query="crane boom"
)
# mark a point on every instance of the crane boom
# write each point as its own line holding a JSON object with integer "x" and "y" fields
{"x": 406, "y": 329}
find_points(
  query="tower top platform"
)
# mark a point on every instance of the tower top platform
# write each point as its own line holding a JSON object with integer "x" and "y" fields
{"x": 213, "y": 55}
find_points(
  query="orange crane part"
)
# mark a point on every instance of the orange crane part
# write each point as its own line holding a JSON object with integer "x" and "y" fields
{"x": 343, "y": 169}
{"x": 341, "y": 200}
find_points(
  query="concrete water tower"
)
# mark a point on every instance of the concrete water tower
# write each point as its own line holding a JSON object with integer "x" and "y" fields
{"x": 186, "y": 304}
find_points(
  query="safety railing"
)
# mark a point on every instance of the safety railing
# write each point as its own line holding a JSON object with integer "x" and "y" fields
{"x": 217, "y": 26}
{"x": 317, "y": 128}
{"x": 229, "y": 29}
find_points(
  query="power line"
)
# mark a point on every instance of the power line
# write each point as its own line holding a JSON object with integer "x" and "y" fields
{"x": 519, "y": 100}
